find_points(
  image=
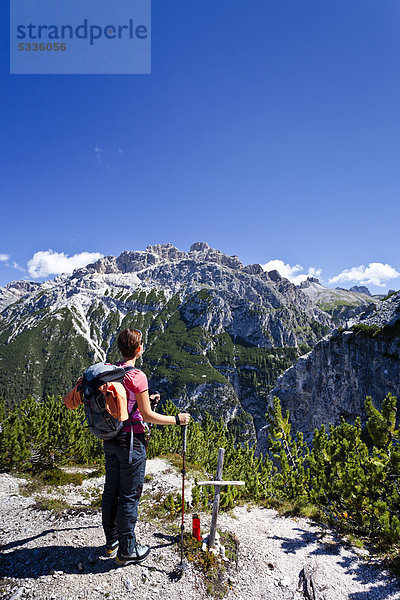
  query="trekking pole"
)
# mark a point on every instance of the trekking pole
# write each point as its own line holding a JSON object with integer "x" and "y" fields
{"x": 182, "y": 565}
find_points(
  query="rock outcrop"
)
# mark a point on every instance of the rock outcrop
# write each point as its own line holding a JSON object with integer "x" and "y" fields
{"x": 16, "y": 290}
{"x": 332, "y": 381}
{"x": 361, "y": 289}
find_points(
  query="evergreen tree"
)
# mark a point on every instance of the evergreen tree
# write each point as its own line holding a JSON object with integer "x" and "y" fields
{"x": 382, "y": 424}
{"x": 290, "y": 454}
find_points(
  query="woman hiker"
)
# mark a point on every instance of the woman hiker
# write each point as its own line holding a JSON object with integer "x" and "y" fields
{"x": 124, "y": 479}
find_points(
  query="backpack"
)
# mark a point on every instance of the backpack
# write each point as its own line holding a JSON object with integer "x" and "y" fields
{"x": 99, "y": 421}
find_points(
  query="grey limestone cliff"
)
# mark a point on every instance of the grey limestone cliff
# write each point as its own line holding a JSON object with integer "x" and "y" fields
{"x": 332, "y": 381}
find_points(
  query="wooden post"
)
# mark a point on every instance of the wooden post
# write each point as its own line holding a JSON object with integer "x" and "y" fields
{"x": 217, "y": 494}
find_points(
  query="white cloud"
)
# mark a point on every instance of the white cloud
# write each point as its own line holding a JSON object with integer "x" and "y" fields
{"x": 290, "y": 271}
{"x": 15, "y": 265}
{"x": 375, "y": 274}
{"x": 49, "y": 262}
{"x": 4, "y": 257}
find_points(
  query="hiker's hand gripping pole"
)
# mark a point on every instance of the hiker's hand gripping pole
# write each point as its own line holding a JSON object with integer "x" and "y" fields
{"x": 154, "y": 400}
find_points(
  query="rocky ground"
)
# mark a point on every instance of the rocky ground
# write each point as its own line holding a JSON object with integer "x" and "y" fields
{"x": 61, "y": 557}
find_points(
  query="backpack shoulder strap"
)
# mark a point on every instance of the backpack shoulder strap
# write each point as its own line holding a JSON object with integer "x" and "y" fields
{"x": 135, "y": 406}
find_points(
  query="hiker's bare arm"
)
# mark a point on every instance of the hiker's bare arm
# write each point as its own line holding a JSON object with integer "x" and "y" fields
{"x": 150, "y": 416}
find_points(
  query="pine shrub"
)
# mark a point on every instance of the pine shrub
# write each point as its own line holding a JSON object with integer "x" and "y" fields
{"x": 354, "y": 486}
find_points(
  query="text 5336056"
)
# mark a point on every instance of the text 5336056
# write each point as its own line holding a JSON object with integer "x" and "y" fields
{"x": 34, "y": 47}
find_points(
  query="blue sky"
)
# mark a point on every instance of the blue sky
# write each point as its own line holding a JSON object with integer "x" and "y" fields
{"x": 268, "y": 129}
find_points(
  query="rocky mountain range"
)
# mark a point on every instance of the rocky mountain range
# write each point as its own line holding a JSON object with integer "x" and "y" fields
{"x": 340, "y": 303}
{"x": 217, "y": 333}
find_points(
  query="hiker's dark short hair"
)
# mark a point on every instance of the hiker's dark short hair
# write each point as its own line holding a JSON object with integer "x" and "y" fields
{"x": 128, "y": 342}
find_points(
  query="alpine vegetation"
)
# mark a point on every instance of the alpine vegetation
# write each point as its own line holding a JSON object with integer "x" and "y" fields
{"x": 347, "y": 476}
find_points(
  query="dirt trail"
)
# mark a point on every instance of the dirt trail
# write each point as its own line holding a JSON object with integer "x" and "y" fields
{"x": 62, "y": 557}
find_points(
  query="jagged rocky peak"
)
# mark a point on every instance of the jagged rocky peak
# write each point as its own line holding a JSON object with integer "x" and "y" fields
{"x": 199, "y": 247}
{"x": 15, "y": 290}
{"x": 107, "y": 264}
{"x": 166, "y": 252}
{"x": 202, "y": 251}
{"x": 308, "y": 282}
{"x": 137, "y": 260}
{"x": 255, "y": 269}
{"x": 24, "y": 287}
{"x": 361, "y": 289}
{"x": 199, "y": 251}
{"x": 131, "y": 261}
{"x": 275, "y": 275}
{"x": 358, "y": 289}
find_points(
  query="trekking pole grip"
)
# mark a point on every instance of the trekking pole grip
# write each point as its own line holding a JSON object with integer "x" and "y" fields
{"x": 184, "y": 432}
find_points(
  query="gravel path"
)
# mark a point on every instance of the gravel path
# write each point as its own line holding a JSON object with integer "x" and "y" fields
{"x": 62, "y": 557}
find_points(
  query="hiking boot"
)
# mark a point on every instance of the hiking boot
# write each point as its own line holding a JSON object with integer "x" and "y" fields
{"x": 139, "y": 554}
{"x": 112, "y": 549}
